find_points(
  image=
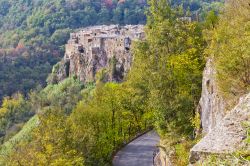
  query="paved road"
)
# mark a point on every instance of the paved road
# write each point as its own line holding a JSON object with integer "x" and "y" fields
{"x": 139, "y": 152}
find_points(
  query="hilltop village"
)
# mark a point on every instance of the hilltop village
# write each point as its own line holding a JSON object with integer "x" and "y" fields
{"x": 99, "y": 47}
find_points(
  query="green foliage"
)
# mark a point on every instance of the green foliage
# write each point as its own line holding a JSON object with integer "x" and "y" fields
{"x": 196, "y": 121}
{"x": 13, "y": 112}
{"x": 177, "y": 148}
{"x": 173, "y": 63}
{"x": 37, "y": 30}
{"x": 182, "y": 153}
{"x": 42, "y": 140}
{"x": 17, "y": 110}
{"x": 87, "y": 124}
{"x": 229, "y": 46}
{"x": 25, "y": 134}
{"x": 244, "y": 154}
{"x": 230, "y": 159}
{"x": 50, "y": 145}
{"x": 60, "y": 36}
{"x": 211, "y": 19}
{"x": 112, "y": 117}
{"x": 64, "y": 95}
{"x": 33, "y": 34}
{"x": 103, "y": 121}
{"x": 167, "y": 69}
{"x": 23, "y": 74}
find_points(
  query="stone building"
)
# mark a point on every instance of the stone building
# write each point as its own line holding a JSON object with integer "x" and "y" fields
{"x": 99, "y": 47}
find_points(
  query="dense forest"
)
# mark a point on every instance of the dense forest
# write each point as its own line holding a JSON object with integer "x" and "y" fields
{"x": 70, "y": 123}
{"x": 33, "y": 32}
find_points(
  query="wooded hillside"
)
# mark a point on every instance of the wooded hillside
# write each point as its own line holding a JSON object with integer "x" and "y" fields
{"x": 33, "y": 32}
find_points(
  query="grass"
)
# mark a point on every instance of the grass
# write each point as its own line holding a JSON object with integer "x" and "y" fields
{"x": 8, "y": 146}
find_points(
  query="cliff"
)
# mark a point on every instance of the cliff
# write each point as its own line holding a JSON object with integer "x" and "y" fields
{"x": 95, "y": 48}
{"x": 211, "y": 106}
{"x": 224, "y": 131}
{"x": 228, "y": 135}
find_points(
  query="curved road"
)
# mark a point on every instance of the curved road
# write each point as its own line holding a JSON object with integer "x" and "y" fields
{"x": 139, "y": 152}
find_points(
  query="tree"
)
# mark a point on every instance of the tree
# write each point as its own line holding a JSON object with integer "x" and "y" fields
{"x": 60, "y": 36}
{"x": 104, "y": 16}
{"x": 50, "y": 144}
{"x": 172, "y": 59}
{"x": 211, "y": 19}
{"x": 229, "y": 47}
{"x": 13, "y": 112}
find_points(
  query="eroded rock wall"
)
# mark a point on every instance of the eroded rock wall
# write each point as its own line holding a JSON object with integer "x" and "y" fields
{"x": 211, "y": 106}
{"x": 223, "y": 130}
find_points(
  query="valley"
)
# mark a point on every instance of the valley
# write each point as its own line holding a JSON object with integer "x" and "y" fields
{"x": 80, "y": 81}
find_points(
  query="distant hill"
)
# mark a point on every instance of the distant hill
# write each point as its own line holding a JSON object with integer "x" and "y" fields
{"x": 33, "y": 33}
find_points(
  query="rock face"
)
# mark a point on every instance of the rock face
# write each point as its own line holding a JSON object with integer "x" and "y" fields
{"x": 228, "y": 135}
{"x": 211, "y": 106}
{"x": 99, "y": 47}
{"x": 224, "y": 132}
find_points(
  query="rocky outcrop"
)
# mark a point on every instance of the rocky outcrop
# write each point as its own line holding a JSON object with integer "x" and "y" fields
{"x": 95, "y": 48}
{"x": 223, "y": 130}
{"x": 227, "y": 136}
{"x": 211, "y": 106}
{"x": 163, "y": 158}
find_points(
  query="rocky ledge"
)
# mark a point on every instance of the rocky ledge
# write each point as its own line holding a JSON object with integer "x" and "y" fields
{"x": 227, "y": 136}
